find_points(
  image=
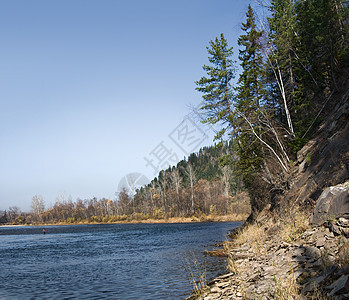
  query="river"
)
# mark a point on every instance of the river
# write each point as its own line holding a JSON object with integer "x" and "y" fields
{"x": 114, "y": 261}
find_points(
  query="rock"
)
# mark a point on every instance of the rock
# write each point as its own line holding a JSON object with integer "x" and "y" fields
{"x": 298, "y": 252}
{"x": 329, "y": 270}
{"x": 303, "y": 165}
{"x": 223, "y": 285}
{"x": 329, "y": 235}
{"x": 345, "y": 232}
{"x": 340, "y": 286}
{"x": 314, "y": 265}
{"x": 302, "y": 153}
{"x": 308, "y": 233}
{"x": 226, "y": 276}
{"x": 320, "y": 242}
{"x": 343, "y": 271}
{"x": 343, "y": 222}
{"x": 334, "y": 228}
{"x": 285, "y": 245}
{"x": 215, "y": 289}
{"x": 332, "y": 203}
{"x": 309, "y": 287}
{"x": 299, "y": 273}
{"x": 312, "y": 252}
{"x": 254, "y": 277}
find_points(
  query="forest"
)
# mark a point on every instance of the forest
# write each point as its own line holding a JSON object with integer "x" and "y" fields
{"x": 196, "y": 187}
{"x": 293, "y": 63}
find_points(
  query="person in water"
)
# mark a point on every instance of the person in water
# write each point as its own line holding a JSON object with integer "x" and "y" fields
{"x": 44, "y": 231}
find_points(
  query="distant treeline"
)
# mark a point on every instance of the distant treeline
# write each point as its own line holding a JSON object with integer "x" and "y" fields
{"x": 196, "y": 187}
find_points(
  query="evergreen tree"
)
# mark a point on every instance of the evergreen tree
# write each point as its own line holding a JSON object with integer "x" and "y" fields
{"x": 250, "y": 91}
{"x": 217, "y": 87}
{"x": 322, "y": 28}
{"x": 250, "y": 94}
{"x": 281, "y": 56}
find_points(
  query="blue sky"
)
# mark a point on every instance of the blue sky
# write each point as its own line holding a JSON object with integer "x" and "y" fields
{"x": 89, "y": 89}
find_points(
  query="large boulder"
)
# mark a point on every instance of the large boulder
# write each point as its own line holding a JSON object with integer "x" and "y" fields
{"x": 333, "y": 203}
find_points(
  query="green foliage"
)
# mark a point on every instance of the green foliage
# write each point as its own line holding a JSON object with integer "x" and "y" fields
{"x": 216, "y": 87}
{"x": 249, "y": 97}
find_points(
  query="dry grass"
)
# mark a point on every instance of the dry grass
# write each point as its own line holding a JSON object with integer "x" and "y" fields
{"x": 196, "y": 271}
{"x": 343, "y": 254}
{"x": 292, "y": 228}
{"x": 255, "y": 236}
{"x": 147, "y": 220}
{"x": 286, "y": 289}
{"x": 251, "y": 234}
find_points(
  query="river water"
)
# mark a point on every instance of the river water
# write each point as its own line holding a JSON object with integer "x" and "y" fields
{"x": 114, "y": 261}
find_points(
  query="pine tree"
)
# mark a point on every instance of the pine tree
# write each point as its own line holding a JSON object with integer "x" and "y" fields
{"x": 282, "y": 45}
{"x": 251, "y": 89}
{"x": 217, "y": 87}
{"x": 250, "y": 94}
{"x": 322, "y": 54}
{"x": 323, "y": 29}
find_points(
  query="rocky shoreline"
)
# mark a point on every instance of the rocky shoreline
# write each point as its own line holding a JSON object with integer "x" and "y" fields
{"x": 314, "y": 266}
{"x": 299, "y": 257}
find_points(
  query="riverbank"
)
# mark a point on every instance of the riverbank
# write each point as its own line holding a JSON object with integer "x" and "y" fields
{"x": 285, "y": 259}
{"x": 130, "y": 220}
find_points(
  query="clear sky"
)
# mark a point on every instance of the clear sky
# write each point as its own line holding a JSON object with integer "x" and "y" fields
{"x": 91, "y": 91}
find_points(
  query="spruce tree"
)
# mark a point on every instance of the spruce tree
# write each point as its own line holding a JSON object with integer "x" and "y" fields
{"x": 216, "y": 87}
{"x": 250, "y": 95}
{"x": 282, "y": 46}
{"x": 322, "y": 54}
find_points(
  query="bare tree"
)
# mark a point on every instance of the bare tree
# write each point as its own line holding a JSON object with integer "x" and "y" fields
{"x": 176, "y": 180}
{"x": 38, "y": 207}
{"x": 13, "y": 213}
{"x": 190, "y": 173}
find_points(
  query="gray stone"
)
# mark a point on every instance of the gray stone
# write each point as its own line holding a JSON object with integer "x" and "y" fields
{"x": 345, "y": 231}
{"x": 308, "y": 233}
{"x": 335, "y": 229}
{"x": 343, "y": 222}
{"x": 316, "y": 264}
{"x": 215, "y": 289}
{"x": 299, "y": 273}
{"x": 254, "y": 277}
{"x": 340, "y": 286}
{"x": 343, "y": 271}
{"x": 312, "y": 252}
{"x": 332, "y": 203}
{"x": 298, "y": 252}
{"x": 226, "y": 276}
{"x": 309, "y": 287}
{"x": 302, "y": 166}
{"x": 223, "y": 285}
{"x": 320, "y": 242}
{"x": 329, "y": 270}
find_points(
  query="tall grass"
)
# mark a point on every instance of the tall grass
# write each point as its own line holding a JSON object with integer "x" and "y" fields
{"x": 196, "y": 272}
